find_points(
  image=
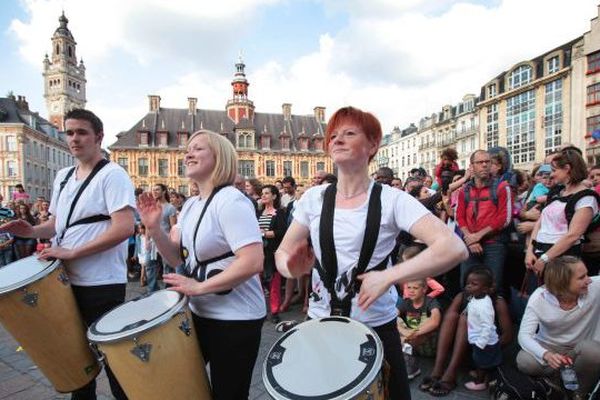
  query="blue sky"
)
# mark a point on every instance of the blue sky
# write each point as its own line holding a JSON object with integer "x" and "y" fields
{"x": 401, "y": 60}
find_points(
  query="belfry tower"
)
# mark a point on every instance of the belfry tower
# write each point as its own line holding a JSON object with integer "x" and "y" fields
{"x": 64, "y": 78}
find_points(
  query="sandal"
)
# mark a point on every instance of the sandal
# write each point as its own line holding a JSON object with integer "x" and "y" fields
{"x": 428, "y": 382}
{"x": 441, "y": 388}
{"x": 285, "y": 326}
{"x": 476, "y": 387}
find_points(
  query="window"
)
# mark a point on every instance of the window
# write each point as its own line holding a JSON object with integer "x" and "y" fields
{"x": 11, "y": 168}
{"x": 593, "y": 124}
{"x": 492, "y": 132}
{"x": 593, "y": 61}
{"x": 163, "y": 167}
{"x": 143, "y": 138}
{"x": 143, "y": 167}
{"x": 288, "y": 168}
{"x": 304, "y": 169}
{"x": 163, "y": 138}
{"x": 183, "y": 139}
{"x": 491, "y": 91}
{"x": 270, "y": 167}
{"x": 285, "y": 143}
{"x": 553, "y": 116}
{"x": 520, "y": 76}
{"x": 180, "y": 167}
{"x": 320, "y": 166}
{"x": 593, "y": 94}
{"x": 246, "y": 168}
{"x": 553, "y": 65}
{"x": 245, "y": 140}
{"x": 520, "y": 127}
{"x": 11, "y": 143}
{"x": 123, "y": 162}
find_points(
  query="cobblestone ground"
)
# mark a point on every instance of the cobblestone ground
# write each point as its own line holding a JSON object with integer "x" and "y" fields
{"x": 21, "y": 379}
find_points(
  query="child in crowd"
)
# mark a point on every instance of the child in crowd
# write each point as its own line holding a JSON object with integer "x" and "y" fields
{"x": 435, "y": 287}
{"x": 419, "y": 318}
{"x": 541, "y": 189}
{"x": 148, "y": 258}
{"x": 482, "y": 334}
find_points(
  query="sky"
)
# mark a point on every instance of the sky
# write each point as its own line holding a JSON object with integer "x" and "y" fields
{"x": 400, "y": 59}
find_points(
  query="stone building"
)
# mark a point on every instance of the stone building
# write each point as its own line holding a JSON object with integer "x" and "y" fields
{"x": 269, "y": 145}
{"x": 31, "y": 149}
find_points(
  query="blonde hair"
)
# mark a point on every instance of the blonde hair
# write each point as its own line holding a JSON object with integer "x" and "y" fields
{"x": 558, "y": 274}
{"x": 226, "y": 160}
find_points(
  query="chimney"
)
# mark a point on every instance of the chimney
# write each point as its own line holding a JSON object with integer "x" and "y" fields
{"x": 192, "y": 101}
{"x": 319, "y": 114}
{"x": 22, "y": 103}
{"x": 286, "y": 109}
{"x": 154, "y": 102}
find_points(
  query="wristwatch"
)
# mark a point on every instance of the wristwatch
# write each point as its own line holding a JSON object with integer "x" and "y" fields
{"x": 544, "y": 257}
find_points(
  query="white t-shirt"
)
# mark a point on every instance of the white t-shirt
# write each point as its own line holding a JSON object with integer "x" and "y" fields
{"x": 481, "y": 329}
{"x": 109, "y": 191}
{"x": 399, "y": 211}
{"x": 554, "y": 223}
{"x": 228, "y": 225}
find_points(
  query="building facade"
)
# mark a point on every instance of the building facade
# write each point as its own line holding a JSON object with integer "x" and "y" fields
{"x": 32, "y": 150}
{"x": 269, "y": 146}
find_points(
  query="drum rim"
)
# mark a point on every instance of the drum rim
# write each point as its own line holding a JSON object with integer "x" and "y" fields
{"x": 53, "y": 264}
{"x": 355, "y": 391}
{"x": 95, "y": 336}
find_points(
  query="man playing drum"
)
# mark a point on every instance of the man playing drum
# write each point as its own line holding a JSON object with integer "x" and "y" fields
{"x": 91, "y": 218}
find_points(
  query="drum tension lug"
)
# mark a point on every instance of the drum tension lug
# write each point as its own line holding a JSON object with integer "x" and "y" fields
{"x": 63, "y": 278}
{"x": 30, "y": 299}
{"x": 141, "y": 351}
{"x": 185, "y": 327}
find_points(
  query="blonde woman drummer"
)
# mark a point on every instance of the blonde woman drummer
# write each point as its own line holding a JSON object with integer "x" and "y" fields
{"x": 218, "y": 239}
{"x": 352, "y": 139}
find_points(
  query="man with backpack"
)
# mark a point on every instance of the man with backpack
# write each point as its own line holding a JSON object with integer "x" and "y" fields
{"x": 483, "y": 212}
{"x": 92, "y": 211}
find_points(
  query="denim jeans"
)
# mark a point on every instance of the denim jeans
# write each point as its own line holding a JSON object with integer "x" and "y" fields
{"x": 6, "y": 256}
{"x": 493, "y": 257}
{"x": 152, "y": 268}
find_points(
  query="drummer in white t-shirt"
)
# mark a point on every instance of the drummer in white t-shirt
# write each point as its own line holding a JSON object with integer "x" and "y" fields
{"x": 94, "y": 252}
{"x": 352, "y": 140}
{"x": 221, "y": 246}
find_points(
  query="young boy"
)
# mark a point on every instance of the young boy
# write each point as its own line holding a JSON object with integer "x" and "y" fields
{"x": 481, "y": 328}
{"x": 419, "y": 318}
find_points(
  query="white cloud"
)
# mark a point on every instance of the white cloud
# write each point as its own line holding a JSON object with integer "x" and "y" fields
{"x": 401, "y": 60}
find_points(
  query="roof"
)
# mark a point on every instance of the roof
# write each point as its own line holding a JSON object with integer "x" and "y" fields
{"x": 174, "y": 120}
{"x": 11, "y": 113}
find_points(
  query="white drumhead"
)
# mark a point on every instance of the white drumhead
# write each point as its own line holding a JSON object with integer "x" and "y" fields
{"x": 137, "y": 315}
{"x": 329, "y": 358}
{"x": 24, "y": 271}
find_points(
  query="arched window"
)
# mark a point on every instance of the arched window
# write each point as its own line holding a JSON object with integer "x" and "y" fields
{"x": 70, "y": 51}
{"x": 520, "y": 76}
{"x": 57, "y": 49}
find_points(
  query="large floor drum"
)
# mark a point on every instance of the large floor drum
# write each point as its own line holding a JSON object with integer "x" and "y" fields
{"x": 333, "y": 358}
{"x": 151, "y": 347}
{"x": 38, "y": 308}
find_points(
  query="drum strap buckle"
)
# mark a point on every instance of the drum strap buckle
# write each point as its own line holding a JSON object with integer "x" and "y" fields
{"x": 30, "y": 299}
{"x": 341, "y": 308}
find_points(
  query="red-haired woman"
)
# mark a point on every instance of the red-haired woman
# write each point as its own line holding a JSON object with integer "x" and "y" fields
{"x": 352, "y": 140}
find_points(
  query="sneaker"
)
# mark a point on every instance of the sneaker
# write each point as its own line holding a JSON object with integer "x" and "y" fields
{"x": 412, "y": 366}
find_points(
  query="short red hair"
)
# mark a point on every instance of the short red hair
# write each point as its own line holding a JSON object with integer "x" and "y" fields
{"x": 365, "y": 120}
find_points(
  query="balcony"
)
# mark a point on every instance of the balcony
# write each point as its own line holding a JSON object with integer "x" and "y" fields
{"x": 467, "y": 133}
{"x": 427, "y": 145}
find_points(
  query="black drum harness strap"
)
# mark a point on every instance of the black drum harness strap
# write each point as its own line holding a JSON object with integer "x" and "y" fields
{"x": 199, "y": 272}
{"x": 87, "y": 220}
{"x": 328, "y": 272}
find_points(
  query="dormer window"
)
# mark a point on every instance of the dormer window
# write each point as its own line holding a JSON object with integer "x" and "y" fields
{"x": 285, "y": 143}
{"x": 245, "y": 140}
{"x": 163, "y": 138}
{"x": 182, "y": 139}
{"x": 318, "y": 143}
{"x": 520, "y": 76}
{"x": 265, "y": 142}
{"x": 303, "y": 143}
{"x": 143, "y": 138}
{"x": 491, "y": 91}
